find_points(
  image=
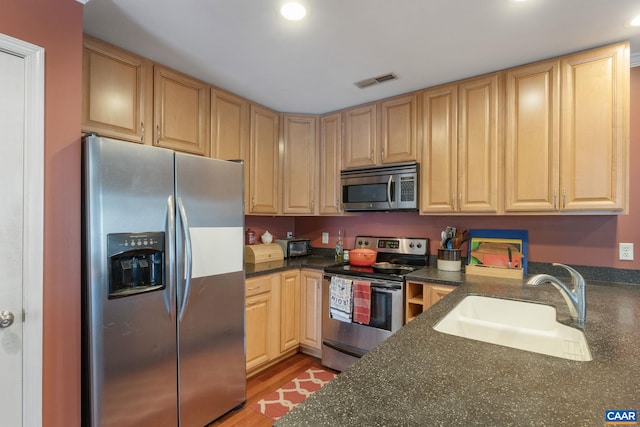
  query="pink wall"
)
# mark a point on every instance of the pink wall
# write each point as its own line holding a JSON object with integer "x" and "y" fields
{"x": 56, "y": 25}
{"x": 581, "y": 240}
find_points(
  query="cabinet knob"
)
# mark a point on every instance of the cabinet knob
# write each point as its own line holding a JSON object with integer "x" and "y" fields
{"x": 158, "y": 132}
{"x": 142, "y": 132}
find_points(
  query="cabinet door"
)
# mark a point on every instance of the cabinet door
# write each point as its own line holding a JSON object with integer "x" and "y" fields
{"x": 311, "y": 309}
{"x": 230, "y": 132}
{"x": 532, "y": 137}
{"x": 595, "y": 139}
{"x": 289, "y": 310}
{"x": 360, "y": 137}
{"x": 229, "y": 126}
{"x": 330, "y": 160}
{"x": 478, "y": 150}
{"x": 116, "y": 92}
{"x": 181, "y": 112}
{"x": 258, "y": 325}
{"x": 398, "y": 133}
{"x": 439, "y": 166}
{"x": 264, "y": 163}
{"x": 300, "y": 160}
{"x": 438, "y": 292}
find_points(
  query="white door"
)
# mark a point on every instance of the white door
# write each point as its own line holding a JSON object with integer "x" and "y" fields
{"x": 21, "y": 172}
{"x": 11, "y": 218}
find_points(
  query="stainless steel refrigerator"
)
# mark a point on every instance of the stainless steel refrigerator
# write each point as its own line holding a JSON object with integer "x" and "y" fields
{"x": 163, "y": 286}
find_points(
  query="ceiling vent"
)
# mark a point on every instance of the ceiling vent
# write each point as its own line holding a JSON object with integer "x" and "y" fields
{"x": 375, "y": 80}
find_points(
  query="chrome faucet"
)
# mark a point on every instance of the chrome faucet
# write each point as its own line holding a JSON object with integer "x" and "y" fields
{"x": 576, "y": 299}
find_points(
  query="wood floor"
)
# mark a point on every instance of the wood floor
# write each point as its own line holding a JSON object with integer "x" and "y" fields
{"x": 262, "y": 384}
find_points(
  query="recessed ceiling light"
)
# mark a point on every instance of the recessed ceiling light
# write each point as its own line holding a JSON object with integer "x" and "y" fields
{"x": 293, "y": 11}
{"x": 635, "y": 21}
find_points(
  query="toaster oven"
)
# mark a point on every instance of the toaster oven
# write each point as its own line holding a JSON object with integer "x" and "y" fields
{"x": 295, "y": 247}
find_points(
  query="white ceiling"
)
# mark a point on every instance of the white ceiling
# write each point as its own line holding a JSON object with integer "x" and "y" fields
{"x": 310, "y": 66}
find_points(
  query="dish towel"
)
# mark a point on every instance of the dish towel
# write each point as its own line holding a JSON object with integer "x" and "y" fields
{"x": 361, "y": 301}
{"x": 340, "y": 299}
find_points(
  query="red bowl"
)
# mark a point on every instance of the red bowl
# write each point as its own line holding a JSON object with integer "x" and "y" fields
{"x": 362, "y": 257}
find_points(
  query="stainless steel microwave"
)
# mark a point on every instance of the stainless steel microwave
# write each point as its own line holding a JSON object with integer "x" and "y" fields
{"x": 381, "y": 188}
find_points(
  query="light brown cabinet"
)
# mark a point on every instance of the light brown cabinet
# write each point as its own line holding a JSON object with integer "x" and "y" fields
{"x": 264, "y": 163}
{"x": 532, "y": 137}
{"x": 181, "y": 112}
{"x": 261, "y": 320}
{"x": 566, "y": 142}
{"x": 230, "y": 131}
{"x": 382, "y": 132}
{"x": 420, "y": 296}
{"x": 289, "y": 310}
{"x": 117, "y": 92}
{"x": 299, "y": 164}
{"x": 398, "y": 129}
{"x": 594, "y": 147}
{"x": 360, "y": 136}
{"x": 330, "y": 164}
{"x": 311, "y": 311}
{"x": 461, "y": 150}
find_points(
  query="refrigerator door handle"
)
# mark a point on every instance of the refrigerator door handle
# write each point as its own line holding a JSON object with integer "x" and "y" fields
{"x": 187, "y": 248}
{"x": 170, "y": 227}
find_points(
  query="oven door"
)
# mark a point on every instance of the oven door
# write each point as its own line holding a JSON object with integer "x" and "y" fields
{"x": 345, "y": 342}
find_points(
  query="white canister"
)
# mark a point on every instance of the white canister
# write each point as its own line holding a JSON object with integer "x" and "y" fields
{"x": 345, "y": 255}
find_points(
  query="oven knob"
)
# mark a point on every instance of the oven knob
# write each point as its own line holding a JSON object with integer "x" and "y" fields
{"x": 366, "y": 243}
{"x": 419, "y": 245}
{"x": 359, "y": 242}
{"x": 411, "y": 245}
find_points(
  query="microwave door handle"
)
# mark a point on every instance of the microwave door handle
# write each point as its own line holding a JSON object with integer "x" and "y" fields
{"x": 389, "y": 186}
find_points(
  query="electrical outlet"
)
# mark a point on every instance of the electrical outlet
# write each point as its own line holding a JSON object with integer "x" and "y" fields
{"x": 289, "y": 234}
{"x": 325, "y": 238}
{"x": 626, "y": 251}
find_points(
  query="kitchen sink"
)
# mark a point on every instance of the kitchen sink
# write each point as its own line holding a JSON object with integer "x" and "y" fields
{"x": 516, "y": 324}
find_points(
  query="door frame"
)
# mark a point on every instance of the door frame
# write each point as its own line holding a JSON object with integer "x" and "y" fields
{"x": 33, "y": 240}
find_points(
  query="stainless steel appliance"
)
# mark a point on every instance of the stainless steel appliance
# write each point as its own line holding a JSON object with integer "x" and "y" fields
{"x": 163, "y": 286}
{"x": 383, "y": 188}
{"x": 343, "y": 343}
{"x": 295, "y": 247}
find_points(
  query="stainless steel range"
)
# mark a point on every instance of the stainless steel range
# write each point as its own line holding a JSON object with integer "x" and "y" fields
{"x": 345, "y": 340}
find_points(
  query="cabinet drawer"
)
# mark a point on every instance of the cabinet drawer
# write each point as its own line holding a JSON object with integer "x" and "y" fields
{"x": 258, "y": 285}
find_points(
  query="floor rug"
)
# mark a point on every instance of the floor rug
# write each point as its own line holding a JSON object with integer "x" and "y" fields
{"x": 281, "y": 401}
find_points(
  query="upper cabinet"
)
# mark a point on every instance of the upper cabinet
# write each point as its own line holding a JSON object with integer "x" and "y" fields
{"x": 300, "y": 160}
{"x": 461, "y": 150}
{"x": 398, "y": 129}
{"x": 566, "y": 142}
{"x": 360, "y": 136}
{"x": 264, "y": 163}
{"x": 230, "y": 131}
{"x": 330, "y": 161}
{"x": 117, "y": 92}
{"x": 383, "y": 132}
{"x": 594, "y": 144}
{"x": 181, "y": 112}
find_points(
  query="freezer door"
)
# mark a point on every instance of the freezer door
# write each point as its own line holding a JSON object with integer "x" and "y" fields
{"x": 210, "y": 272}
{"x": 129, "y": 341}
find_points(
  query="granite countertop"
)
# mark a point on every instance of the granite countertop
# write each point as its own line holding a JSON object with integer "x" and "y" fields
{"x": 421, "y": 377}
{"x": 309, "y": 261}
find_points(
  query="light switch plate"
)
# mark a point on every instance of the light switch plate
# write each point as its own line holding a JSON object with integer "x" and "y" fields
{"x": 626, "y": 251}
{"x": 325, "y": 238}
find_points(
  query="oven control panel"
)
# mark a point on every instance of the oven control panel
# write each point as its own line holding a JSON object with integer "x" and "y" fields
{"x": 397, "y": 245}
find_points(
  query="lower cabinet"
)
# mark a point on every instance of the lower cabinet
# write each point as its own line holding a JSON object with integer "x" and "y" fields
{"x": 272, "y": 312}
{"x": 311, "y": 312}
{"x": 261, "y": 320}
{"x": 421, "y": 296}
{"x": 289, "y": 311}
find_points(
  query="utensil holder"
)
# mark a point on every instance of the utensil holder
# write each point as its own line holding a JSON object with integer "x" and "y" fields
{"x": 449, "y": 259}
